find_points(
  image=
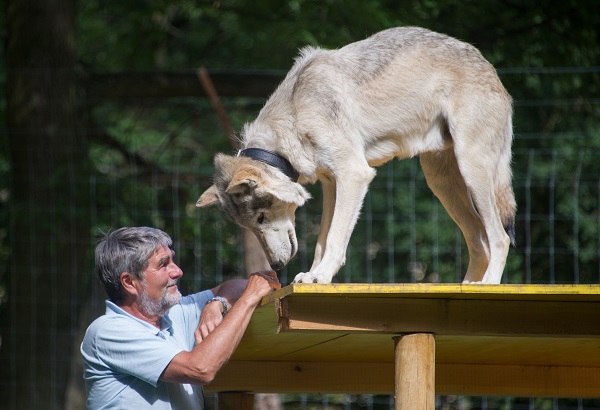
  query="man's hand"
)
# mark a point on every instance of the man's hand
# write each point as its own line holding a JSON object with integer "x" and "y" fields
{"x": 261, "y": 287}
{"x": 258, "y": 285}
{"x": 211, "y": 317}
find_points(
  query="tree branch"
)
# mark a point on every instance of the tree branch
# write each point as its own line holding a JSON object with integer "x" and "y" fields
{"x": 169, "y": 84}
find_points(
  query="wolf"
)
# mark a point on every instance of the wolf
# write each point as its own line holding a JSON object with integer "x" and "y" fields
{"x": 338, "y": 114}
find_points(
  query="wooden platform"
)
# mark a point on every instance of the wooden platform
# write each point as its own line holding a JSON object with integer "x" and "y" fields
{"x": 506, "y": 340}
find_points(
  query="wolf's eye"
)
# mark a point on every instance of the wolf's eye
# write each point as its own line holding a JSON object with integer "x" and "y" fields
{"x": 261, "y": 218}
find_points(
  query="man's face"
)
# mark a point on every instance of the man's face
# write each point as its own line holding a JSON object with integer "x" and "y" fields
{"x": 159, "y": 285}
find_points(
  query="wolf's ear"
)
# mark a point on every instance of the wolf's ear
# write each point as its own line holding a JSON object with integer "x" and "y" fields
{"x": 292, "y": 193}
{"x": 243, "y": 180}
{"x": 240, "y": 186}
{"x": 209, "y": 197}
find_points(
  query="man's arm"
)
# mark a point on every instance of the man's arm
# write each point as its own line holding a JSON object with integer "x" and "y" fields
{"x": 202, "y": 364}
{"x": 212, "y": 314}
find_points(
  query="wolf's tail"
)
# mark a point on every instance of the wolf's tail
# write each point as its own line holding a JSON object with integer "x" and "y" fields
{"x": 505, "y": 197}
{"x": 507, "y": 208}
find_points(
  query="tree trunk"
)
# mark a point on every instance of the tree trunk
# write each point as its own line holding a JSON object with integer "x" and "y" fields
{"x": 49, "y": 221}
{"x": 254, "y": 261}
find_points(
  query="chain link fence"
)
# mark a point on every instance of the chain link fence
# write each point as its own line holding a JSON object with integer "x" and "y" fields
{"x": 163, "y": 161}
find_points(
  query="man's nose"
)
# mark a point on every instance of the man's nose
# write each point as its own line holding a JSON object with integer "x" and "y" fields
{"x": 175, "y": 272}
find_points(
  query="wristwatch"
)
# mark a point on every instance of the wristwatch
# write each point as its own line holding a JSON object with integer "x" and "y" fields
{"x": 219, "y": 299}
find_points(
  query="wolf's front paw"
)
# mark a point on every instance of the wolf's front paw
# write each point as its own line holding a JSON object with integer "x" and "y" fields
{"x": 304, "y": 277}
{"x": 311, "y": 277}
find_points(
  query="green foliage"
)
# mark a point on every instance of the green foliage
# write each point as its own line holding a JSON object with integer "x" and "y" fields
{"x": 404, "y": 233}
{"x": 409, "y": 236}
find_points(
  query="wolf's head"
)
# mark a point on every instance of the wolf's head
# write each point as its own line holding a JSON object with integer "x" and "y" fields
{"x": 261, "y": 198}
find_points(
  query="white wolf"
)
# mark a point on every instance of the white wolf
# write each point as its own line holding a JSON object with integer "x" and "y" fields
{"x": 338, "y": 113}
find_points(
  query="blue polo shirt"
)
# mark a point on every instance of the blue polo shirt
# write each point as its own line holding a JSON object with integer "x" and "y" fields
{"x": 123, "y": 358}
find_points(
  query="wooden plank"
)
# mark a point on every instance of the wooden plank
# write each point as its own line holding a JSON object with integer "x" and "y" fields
{"x": 502, "y": 340}
{"x": 378, "y": 378}
{"x": 236, "y": 401}
{"x": 518, "y": 381}
{"x": 262, "y": 342}
{"x": 533, "y": 351}
{"x": 440, "y": 316}
{"x": 414, "y": 378}
{"x": 374, "y": 347}
{"x": 304, "y": 377}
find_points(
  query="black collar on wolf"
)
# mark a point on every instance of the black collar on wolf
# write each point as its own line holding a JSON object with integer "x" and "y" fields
{"x": 273, "y": 159}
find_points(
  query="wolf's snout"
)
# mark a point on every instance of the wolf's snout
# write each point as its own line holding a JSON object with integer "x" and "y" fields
{"x": 293, "y": 243}
{"x": 277, "y": 265}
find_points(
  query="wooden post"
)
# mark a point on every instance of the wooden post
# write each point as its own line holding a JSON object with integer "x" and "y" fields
{"x": 414, "y": 383}
{"x": 254, "y": 261}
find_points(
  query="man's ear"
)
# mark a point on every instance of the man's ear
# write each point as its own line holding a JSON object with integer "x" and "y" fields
{"x": 128, "y": 283}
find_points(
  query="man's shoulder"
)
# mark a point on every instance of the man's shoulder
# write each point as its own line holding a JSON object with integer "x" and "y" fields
{"x": 101, "y": 329}
{"x": 110, "y": 325}
{"x": 108, "y": 320}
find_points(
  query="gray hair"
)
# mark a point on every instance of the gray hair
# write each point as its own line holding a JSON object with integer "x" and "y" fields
{"x": 126, "y": 250}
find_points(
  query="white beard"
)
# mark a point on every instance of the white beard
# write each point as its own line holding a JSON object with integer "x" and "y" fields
{"x": 159, "y": 307}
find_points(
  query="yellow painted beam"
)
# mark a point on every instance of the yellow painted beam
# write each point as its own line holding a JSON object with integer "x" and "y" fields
{"x": 443, "y": 290}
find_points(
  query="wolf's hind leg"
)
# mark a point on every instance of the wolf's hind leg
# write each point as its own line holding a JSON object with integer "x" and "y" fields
{"x": 445, "y": 180}
{"x": 478, "y": 171}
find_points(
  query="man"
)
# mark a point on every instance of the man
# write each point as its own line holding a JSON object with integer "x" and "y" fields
{"x": 154, "y": 348}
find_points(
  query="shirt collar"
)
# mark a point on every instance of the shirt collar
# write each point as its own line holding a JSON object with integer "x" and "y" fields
{"x": 166, "y": 325}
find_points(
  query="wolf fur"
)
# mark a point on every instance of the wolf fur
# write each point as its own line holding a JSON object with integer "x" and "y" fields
{"x": 339, "y": 113}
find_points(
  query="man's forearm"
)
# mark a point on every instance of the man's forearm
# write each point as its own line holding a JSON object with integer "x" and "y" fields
{"x": 201, "y": 364}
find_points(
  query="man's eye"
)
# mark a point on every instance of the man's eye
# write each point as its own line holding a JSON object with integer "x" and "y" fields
{"x": 261, "y": 218}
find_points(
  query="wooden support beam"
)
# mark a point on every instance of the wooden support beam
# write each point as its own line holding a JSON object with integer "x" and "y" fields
{"x": 236, "y": 401}
{"x": 414, "y": 381}
{"x": 303, "y": 377}
{"x": 378, "y": 378}
{"x": 377, "y": 314}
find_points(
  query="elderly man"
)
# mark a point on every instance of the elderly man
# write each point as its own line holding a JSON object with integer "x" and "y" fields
{"x": 154, "y": 348}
